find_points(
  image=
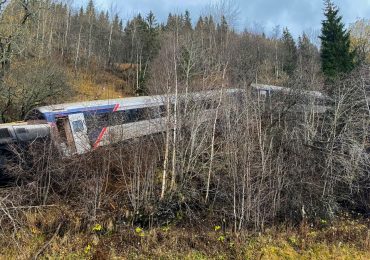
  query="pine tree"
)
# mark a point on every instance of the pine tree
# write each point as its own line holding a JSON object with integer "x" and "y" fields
{"x": 222, "y": 31}
{"x": 116, "y": 23}
{"x": 210, "y": 23}
{"x": 90, "y": 9}
{"x": 336, "y": 56}
{"x": 305, "y": 48}
{"x": 187, "y": 21}
{"x": 151, "y": 20}
{"x": 308, "y": 59}
{"x": 151, "y": 40}
{"x": 200, "y": 24}
{"x": 289, "y": 53}
{"x": 171, "y": 22}
{"x": 81, "y": 13}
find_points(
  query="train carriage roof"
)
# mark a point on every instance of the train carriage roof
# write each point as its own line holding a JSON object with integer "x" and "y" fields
{"x": 124, "y": 103}
{"x": 311, "y": 93}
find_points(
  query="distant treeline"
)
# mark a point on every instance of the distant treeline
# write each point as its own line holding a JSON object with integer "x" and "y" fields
{"x": 53, "y": 34}
{"x": 89, "y": 36}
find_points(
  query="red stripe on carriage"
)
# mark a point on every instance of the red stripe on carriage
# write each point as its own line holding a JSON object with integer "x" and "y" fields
{"x": 116, "y": 108}
{"x": 96, "y": 145}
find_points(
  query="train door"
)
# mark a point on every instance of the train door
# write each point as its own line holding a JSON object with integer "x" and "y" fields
{"x": 63, "y": 136}
{"x": 79, "y": 132}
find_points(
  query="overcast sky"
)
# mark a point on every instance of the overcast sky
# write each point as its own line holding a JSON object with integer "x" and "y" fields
{"x": 297, "y": 15}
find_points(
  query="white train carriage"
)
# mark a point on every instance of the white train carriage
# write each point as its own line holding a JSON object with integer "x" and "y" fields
{"x": 266, "y": 90}
{"x": 20, "y": 134}
{"x": 77, "y": 128}
{"x": 23, "y": 132}
{"x": 80, "y": 127}
{"x": 308, "y": 100}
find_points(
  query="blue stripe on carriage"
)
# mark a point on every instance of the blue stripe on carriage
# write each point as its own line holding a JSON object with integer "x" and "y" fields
{"x": 51, "y": 116}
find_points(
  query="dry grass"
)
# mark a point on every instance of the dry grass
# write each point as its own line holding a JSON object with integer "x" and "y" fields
{"x": 123, "y": 67}
{"x": 344, "y": 239}
{"x": 97, "y": 84}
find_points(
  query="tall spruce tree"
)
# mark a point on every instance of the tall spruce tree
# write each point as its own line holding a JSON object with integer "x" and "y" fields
{"x": 289, "y": 53}
{"x": 336, "y": 56}
{"x": 187, "y": 21}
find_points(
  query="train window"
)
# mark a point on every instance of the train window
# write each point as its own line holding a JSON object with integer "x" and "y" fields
{"x": 153, "y": 113}
{"x": 78, "y": 126}
{"x": 97, "y": 120}
{"x": 21, "y": 130}
{"x": 130, "y": 115}
{"x": 4, "y": 133}
{"x": 134, "y": 115}
{"x": 117, "y": 118}
{"x": 162, "y": 111}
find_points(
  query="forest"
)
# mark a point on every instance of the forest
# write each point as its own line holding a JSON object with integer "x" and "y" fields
{"x": 258, "y": 181}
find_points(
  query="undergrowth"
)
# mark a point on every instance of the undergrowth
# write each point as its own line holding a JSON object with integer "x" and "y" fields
{"x": 61, "y": 234}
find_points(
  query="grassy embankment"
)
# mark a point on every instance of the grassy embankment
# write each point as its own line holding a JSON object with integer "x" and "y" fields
{"x": 58, "y": 234}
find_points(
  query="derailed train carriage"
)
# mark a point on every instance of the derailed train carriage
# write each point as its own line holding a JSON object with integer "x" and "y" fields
{"x": 20, "y": 134}
{"x": 77, "y": 128}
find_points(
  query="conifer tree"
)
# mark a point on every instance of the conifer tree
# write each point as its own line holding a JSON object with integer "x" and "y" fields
{"x": 187, "y": 21}
{"x": 151, "y": 37}
{"x": 200, "y": 24}
{"x": 289, "y": 52}
{"x": 308, "y": 60}
{"x": 171, "y": 22}
{"x": 90, "y": 9}
{"x": 336, "y": 56}
{"x": 305, "y": 48}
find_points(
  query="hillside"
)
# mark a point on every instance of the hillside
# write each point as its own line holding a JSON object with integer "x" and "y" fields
{"x": 227, "y": 174}
{"x": 98, "y": 84}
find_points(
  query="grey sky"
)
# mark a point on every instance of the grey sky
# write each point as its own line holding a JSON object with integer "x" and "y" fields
{"x": 297, "y": 15}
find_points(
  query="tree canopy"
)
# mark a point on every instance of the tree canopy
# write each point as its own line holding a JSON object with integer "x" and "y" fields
{"x": 289, "y": 52}
{"x": 336, "y": 55}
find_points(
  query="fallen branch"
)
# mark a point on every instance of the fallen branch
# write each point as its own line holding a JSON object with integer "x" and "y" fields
{"x": 49, "y": 242}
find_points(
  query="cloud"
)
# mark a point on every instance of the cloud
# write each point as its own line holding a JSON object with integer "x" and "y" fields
{"x": 297, "y": 15}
